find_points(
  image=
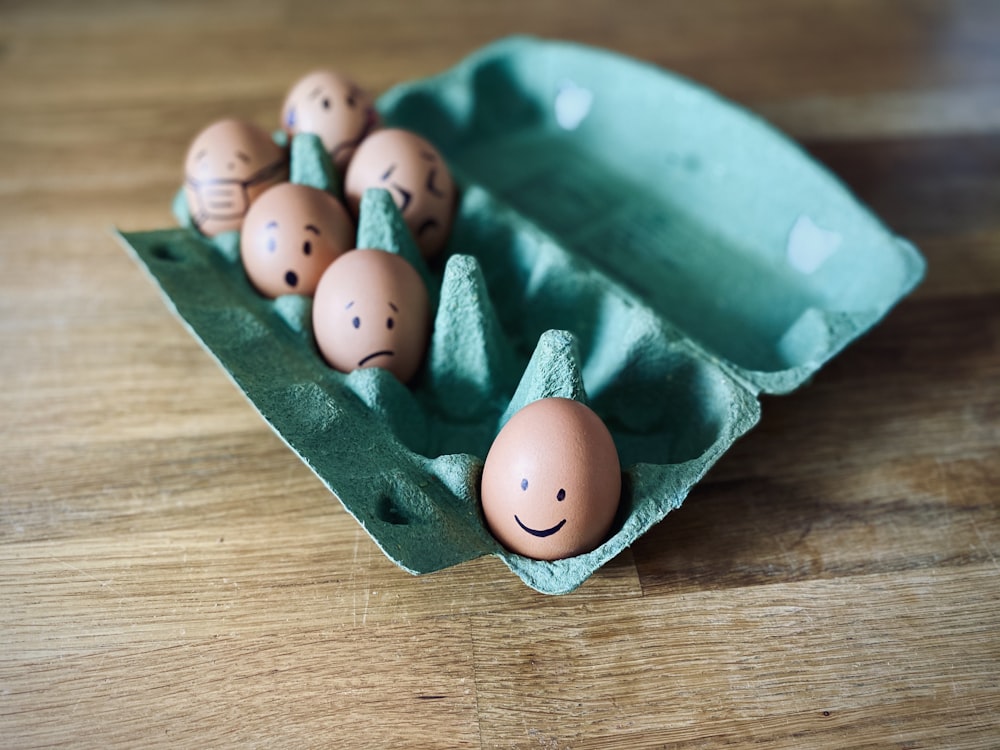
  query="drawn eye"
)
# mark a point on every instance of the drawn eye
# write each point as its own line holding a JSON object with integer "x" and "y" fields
{"x": 272, "y": 244}
{"x": 524, "y": 484}
{"x": 431, "y": 187}
{"x": 356, "y": 322}
{"x": 307, "y": 247}
{"x": 561, "y": 494}
{"x": 326, "y": 103}
{"x": 390, "y": 323}
{"x": 351, "y": 101}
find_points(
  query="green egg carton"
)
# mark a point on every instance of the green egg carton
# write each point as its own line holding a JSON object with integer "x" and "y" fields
{"x": 624, "y": 237}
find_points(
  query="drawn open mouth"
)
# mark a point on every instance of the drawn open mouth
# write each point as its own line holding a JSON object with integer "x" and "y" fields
{"x": 542, "y": 532}
{"x": 383, "y": 353}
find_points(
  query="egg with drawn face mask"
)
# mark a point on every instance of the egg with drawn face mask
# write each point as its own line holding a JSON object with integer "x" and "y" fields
{"x": 228, "y": 165}
{"x": 416, "y": 176}
{"x": 551, "y": 483}
{"x": 371, "y": 309}
{"x": 333, "y": 107}
{"x": 290, "y": 235}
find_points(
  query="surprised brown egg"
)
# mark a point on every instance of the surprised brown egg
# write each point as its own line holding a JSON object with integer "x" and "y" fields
{"x": 290, "y": 235}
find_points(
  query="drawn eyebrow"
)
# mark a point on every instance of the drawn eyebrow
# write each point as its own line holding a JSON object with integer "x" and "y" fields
{"x": 201, "y": 154}
{"x": 312, "y": 228}
{"x": 349, "y": 305}
{"x": 271, "y": 225}
{"x": 388, "y": 172}
{"x": 428, "y": 156}
{"x": 243, "y": 156}
{"x": 393, "y": 307}
{"x": 315, "y": 92}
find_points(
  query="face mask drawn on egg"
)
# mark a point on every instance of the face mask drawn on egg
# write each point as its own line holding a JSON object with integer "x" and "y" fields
{"x": 228, "y": 165}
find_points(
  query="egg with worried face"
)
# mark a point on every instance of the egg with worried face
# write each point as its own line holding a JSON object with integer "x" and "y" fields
{"x": 416, "y": 176}
{"x": 371, "y": 309}
{"x": 290, "y": 235}
{"x": 552, "y": 481}
{"x": 229, "y": 164}
{"x": 333, "y": 107}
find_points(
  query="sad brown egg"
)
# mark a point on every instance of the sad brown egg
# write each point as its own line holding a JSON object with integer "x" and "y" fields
{"x": 371, "y": 309}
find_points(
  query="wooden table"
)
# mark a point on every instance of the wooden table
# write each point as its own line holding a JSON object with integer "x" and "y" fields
{"x": 170, "y": 575}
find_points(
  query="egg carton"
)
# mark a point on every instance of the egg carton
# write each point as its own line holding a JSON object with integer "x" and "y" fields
{"x": 624, "y": 237}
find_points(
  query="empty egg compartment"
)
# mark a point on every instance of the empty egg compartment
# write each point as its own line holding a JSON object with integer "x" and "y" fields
{"x": 671, "y": 411}
{"x": 662, "y": 400}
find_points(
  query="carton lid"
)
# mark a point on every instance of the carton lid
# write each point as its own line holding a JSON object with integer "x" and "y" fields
{"x": 748, "y": 249}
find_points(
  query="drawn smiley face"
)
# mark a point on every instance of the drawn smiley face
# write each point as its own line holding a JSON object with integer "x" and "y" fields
{"x": 371, "y": 309}
{"x": 290, "y": 235}
{"x": 552, "y": 481}
{"x": 416, "y": 175}
{"x": 228, "y": 165}
{"x": 333, "y": 107}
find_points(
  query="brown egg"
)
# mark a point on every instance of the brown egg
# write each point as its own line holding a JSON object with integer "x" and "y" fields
{"x": 552, "y": 481}
{"x": 228, "y": 165}
{"x": 371, "y": 309}
{"x": 290, "y": 235}
{"x": 334, "y": 108}
{"x": 416, "y": 174}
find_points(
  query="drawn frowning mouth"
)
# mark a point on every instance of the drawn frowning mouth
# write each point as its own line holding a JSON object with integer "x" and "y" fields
{"x": 428, "y": 224}
{"x": 543, "y": 532}
{"x": 383, "y": 353}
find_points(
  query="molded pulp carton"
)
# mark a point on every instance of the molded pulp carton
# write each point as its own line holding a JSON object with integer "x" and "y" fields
{"x": 624, "y": 237}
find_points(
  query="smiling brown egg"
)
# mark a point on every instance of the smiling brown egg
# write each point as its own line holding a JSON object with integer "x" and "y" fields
{"x": 552, "y": 481}
{"x": 290, "y": 235}
{"x": 228, "y": 165}
{"x": 371, "y": 309}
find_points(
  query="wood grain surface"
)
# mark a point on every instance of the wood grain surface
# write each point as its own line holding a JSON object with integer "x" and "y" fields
{"x": 170, "y": 575}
